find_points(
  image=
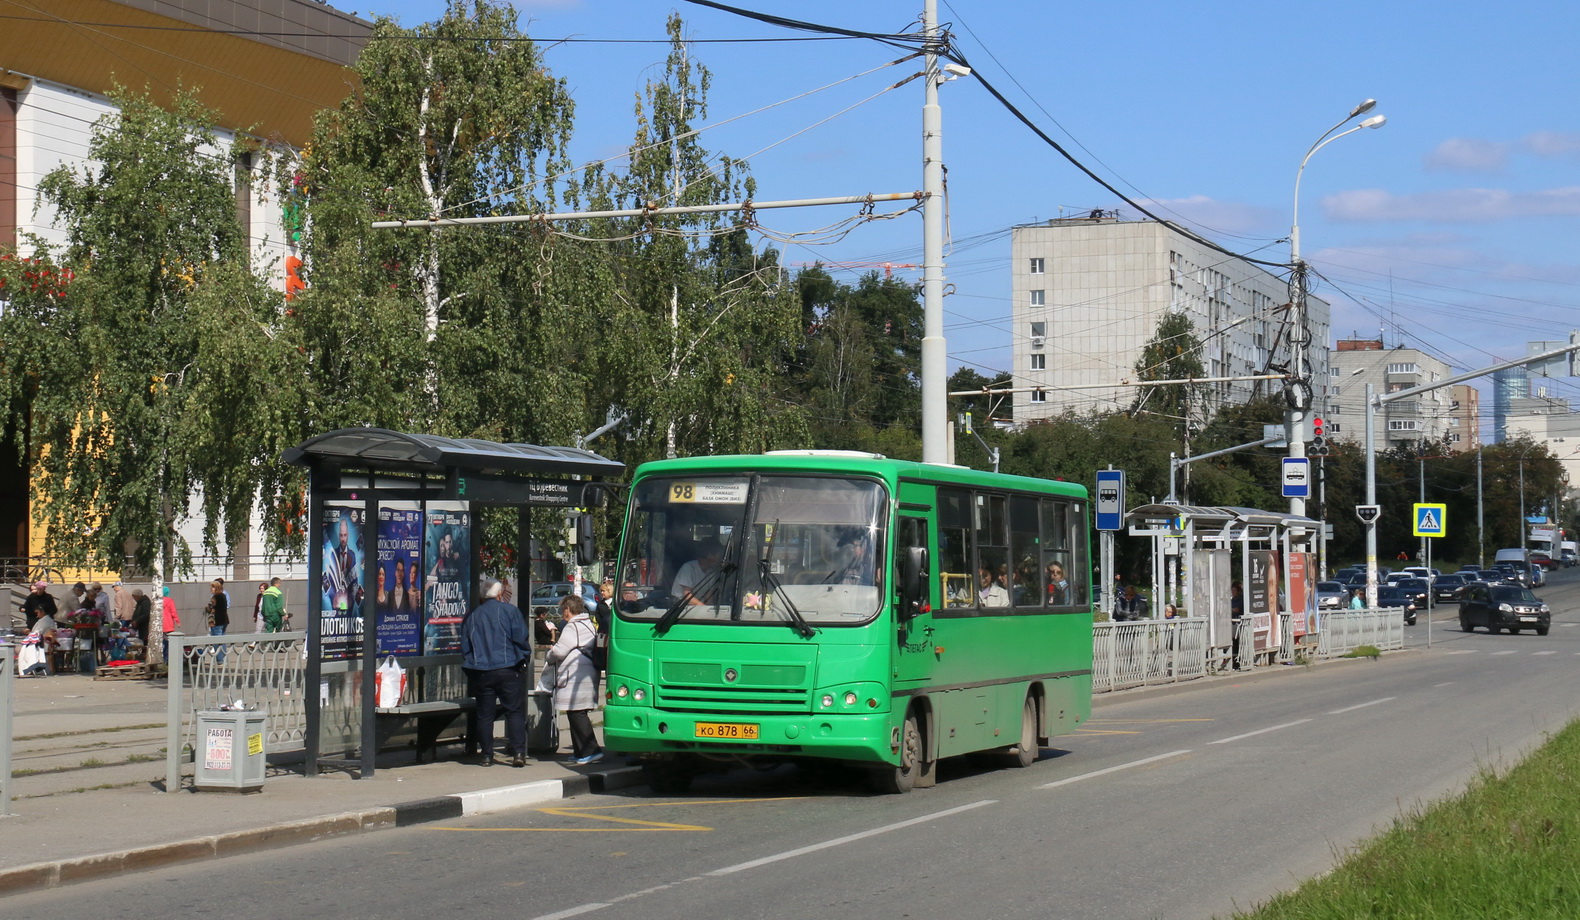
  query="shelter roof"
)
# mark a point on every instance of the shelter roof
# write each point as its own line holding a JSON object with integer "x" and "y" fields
{"x": 1221, "y": 514}
{"x": 380, "y": 448}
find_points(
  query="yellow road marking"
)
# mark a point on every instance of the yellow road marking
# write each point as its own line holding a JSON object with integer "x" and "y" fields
{"x": 628, "y": 824}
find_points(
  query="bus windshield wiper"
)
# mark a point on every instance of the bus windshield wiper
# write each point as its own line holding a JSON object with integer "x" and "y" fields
{"x": 766, "y": 575}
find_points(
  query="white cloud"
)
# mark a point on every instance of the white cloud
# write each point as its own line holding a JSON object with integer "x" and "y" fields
{"x": 1552, "y": 144}
{"x": 1215, "y": 215}
{"x": 1473, "y": 205}
{"x": 1468, "y": 154}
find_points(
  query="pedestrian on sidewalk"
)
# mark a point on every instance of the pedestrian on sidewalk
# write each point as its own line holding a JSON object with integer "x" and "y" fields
{"x": 142, "y": 609}
{"x": 273, "y": 606}
{"x": 494, "y": 647}
{"x": 576, "y": 678}
{"x": 218, "y": 610}
{"x": 169, "y": 621}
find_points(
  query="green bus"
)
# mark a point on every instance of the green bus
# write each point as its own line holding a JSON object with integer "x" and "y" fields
{"x": 845, "y": 607}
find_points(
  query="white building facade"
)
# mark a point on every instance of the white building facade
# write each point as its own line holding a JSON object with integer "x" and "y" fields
{"x": 1089, "y": 294}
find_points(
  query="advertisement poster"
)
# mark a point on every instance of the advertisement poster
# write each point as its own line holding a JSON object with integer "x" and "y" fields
{"x": 446, "y": 557}
{"x": 1301, "y": 607}
{"x": 341, "y": 592}
{"x": 1261, "y": 601}
{"x": 397, "y": 595}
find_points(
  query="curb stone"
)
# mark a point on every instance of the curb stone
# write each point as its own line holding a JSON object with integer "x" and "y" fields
{"x": 87, "y": 868}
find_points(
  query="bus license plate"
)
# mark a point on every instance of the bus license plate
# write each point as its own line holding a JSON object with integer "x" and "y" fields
{"x": 746, "y": 731}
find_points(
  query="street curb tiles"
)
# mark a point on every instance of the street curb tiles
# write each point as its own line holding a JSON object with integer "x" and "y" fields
{"x": 442, "y": 808}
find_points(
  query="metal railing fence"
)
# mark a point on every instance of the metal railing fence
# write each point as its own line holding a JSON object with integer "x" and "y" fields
{"x": 266, "y": 671}
{"x": 1139, "y": 653}
{"x": 1345, "y": 630}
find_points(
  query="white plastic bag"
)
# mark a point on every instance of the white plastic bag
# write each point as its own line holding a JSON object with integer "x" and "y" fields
{"x": 389, "y": 683}
{"x": 546, "y": 679}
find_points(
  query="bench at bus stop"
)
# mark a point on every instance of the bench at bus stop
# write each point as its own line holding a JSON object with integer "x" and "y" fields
{"x": 438, "y": 697}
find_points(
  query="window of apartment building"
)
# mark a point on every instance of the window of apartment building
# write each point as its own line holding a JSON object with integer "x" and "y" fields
{"x": 1333, "y": 390}
{"x": 1038, "y": 266}
{"x": 1039, "y": 395}
{"x": 1039, "y": 362}
{"x": 1334, "y": 427}
{"x": 1401, "y": 424}
{"x": 1403, "y": 367}
{"x": 1453, "y": 439}
{"x": 1335, "y": 409}
{"x": 1039, "y": 298}
{"x": 1333, "y": 372}
{"x": 1039, "y": 330}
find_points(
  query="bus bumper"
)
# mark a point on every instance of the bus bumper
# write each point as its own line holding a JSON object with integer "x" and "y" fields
{"x": 859, "y": 737}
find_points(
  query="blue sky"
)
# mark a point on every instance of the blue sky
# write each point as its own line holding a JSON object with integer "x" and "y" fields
{"x": 1453, "y": 227}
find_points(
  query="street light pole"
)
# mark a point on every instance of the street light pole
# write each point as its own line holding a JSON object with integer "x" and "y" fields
{"x": 1298, "y": 391}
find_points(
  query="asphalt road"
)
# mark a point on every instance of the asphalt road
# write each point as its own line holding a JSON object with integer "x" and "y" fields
{"x": 1177, "y": 805}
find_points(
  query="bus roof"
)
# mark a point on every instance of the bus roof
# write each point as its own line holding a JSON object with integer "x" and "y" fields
{"x": 855, "y": 462}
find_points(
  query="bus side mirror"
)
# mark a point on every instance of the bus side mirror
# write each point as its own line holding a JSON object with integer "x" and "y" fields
{"x": 586, "y": 540}
{"x": 913, "y": 582}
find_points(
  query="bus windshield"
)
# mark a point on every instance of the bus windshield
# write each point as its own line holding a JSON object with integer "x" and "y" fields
{"x": 802, "y": 551}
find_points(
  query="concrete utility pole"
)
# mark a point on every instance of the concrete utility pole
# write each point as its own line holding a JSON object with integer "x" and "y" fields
{"x": 935, "y": 352}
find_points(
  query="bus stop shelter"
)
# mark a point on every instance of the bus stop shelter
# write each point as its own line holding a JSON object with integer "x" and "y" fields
{"x": 403, "y": 507}
{"x": 1200, "y": 552}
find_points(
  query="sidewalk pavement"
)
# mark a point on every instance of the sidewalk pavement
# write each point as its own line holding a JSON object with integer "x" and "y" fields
{"x": 76, "y": 818}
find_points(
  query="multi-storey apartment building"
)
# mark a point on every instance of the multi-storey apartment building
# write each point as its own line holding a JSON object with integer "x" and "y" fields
{"x": 1089, "y": 293}
{"x": 1448, "y": 414}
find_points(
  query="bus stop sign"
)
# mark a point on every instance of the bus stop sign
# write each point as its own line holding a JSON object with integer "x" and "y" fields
{"x": 1110, "y": 499}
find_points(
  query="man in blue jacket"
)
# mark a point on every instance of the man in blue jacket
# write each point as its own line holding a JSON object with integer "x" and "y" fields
{"x": 494, "y": 645}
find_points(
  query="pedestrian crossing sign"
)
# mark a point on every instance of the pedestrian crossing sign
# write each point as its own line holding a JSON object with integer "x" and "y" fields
{"x": 1430, "y": 520}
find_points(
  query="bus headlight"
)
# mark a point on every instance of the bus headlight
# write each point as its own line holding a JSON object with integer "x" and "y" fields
{"x": 639, "y": 695}
{"x": 828, "y": 700}
{"x": 623, "y": 691}
{"x": 850, "y": 697}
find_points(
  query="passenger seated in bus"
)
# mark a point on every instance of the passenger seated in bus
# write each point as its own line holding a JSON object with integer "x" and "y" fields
{"x": 1058, "y": 586}
{"x": 989, "y": 592}
{"x": 697, "y": 581}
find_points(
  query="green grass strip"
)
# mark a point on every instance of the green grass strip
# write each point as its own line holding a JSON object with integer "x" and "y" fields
{"x": 1507, "y": 849}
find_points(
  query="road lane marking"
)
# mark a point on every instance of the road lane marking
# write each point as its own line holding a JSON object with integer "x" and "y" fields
{"x": 635, "y": 825}
{"x": 850, "y": 838}
{"x": 1123, "y": 766}
{"x": 1386, "y": 699}
{"x": 1507, "y": 652}
{"x": 1446, "y": 683}
{"x": 1549, "y": 652}
{"x": 1260, "y": 731}
{"x": 1464, "y": 651}
{"x": 739, "y": 867}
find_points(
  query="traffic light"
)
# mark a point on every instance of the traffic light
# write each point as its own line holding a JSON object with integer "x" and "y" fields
{"x": 1319, "y": 438}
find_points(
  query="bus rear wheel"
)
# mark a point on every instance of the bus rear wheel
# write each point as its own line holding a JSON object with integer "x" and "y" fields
{"x": 1026, "y": 752}
{"x": 898, "y": 780}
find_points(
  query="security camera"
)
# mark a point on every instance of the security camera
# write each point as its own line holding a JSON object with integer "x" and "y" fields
{"x": 959, "y": 70}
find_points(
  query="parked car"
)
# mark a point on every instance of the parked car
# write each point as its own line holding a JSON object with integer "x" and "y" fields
{"x": 1331, "y": 595}
{"x": 1394, "y": 596}
{"x": 549, "y": 595}
{"x": 1510, "y": 607}
{"x": 1447, "y": 587}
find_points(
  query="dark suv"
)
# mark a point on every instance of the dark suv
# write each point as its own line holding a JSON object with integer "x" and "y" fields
{"x": 1511, "y": 607}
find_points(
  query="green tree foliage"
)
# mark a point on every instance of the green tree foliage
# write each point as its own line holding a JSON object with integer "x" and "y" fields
{"x": 861, "y": 363}
{"x": 697, "y": 325}
{"x": 1173, "y": 353}
{"x": 160, "y": 372}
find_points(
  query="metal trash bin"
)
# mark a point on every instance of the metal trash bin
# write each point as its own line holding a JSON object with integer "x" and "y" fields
{"x": 229, "y": 755}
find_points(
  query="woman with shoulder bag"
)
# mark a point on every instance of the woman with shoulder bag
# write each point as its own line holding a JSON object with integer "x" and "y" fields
{"x": 576, "y": 678}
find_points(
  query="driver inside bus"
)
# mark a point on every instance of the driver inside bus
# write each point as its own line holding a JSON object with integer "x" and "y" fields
{"x": 697, "y": 580}
{"x": 856, "y": 568}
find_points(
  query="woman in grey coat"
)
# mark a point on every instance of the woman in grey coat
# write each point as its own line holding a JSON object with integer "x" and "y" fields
{"x": 576, "y": 678}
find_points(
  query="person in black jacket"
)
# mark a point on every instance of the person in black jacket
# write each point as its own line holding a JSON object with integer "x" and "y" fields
{"x": 494, "y": 645}
{"x": 39, "y": 603}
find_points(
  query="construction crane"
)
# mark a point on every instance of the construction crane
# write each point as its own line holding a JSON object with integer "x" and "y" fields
{"x": 888, "y": 267}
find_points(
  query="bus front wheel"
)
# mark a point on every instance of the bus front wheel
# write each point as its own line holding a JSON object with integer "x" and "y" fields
{"x": 667, "y": 777}
{"x": 900, "y": 779}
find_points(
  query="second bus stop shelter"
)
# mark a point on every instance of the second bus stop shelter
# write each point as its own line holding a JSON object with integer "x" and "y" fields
{"x": 372, "y": 492}
{"x": 1194, "y": 565}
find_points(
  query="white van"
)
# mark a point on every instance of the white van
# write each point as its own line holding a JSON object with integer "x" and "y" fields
{"x": 1510, "y": 555}
{"x": 1568, "y": 552}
